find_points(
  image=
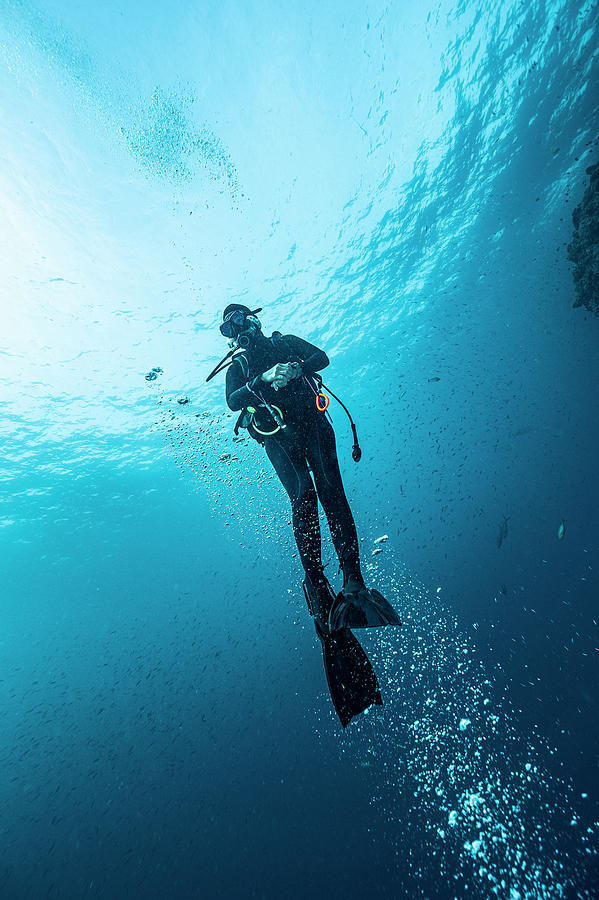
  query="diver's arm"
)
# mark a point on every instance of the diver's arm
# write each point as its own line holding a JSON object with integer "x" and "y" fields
{"x": 239, "y": 392}
{"x": 312, "y": 358}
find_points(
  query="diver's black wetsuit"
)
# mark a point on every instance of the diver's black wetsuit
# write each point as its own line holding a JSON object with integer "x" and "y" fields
{"x": 307, "y": 442}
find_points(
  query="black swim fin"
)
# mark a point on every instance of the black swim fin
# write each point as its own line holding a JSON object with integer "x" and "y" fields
{"x": 353, "y": 684}
{"x": 357, "y": 606}
{"x": 352, "y": 681}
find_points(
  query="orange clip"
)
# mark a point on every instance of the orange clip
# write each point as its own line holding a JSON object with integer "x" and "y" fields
{"x": 326, "y": 402}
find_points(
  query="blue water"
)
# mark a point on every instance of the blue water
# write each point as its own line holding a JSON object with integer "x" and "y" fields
{"x": 394, "y": 183}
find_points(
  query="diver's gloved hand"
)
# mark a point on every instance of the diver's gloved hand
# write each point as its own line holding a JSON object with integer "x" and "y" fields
{"x": 294, "y": 371}
{"x": 281, "y": 374}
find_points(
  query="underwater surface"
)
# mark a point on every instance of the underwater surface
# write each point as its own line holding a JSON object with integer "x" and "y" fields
{"x": 395, "y": 183}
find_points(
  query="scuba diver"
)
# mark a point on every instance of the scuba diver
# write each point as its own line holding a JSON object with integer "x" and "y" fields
{"x": 275, "y": 386}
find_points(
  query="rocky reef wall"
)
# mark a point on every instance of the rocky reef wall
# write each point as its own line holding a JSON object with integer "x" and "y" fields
{"x": 583, "y": 249}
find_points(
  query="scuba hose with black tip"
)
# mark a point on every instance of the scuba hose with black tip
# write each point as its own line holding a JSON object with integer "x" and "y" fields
{"x": 356, "y": 449}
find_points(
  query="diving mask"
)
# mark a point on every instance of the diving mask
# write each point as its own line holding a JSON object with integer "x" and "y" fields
{"x": 234, "y": 322}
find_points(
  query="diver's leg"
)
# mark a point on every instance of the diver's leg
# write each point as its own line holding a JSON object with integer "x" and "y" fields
{"x": 322, "y": 456}
{"x": 356, "y": 606}
{"x": 289, "y": 461}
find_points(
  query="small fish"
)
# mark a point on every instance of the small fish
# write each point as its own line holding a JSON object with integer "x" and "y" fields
{"x": 182, "y": 401}
{"x": 561, "y": 530}
{"x": 381, "y": 539}
{"x": 434, "y": 379}
{"x": 502, "y": 531}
